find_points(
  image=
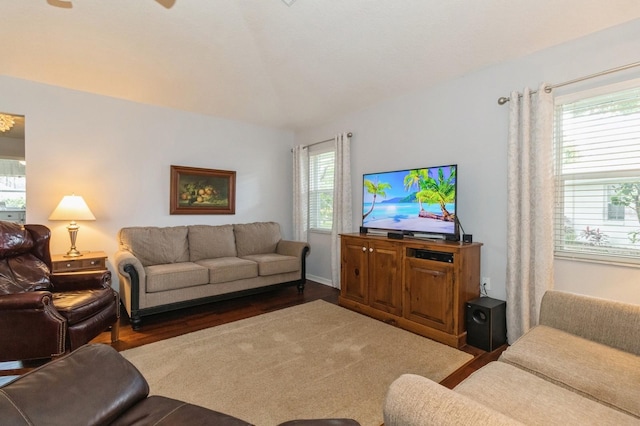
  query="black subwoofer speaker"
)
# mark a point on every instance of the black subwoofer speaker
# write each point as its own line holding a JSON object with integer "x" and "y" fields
{"x": 486, "y": 320}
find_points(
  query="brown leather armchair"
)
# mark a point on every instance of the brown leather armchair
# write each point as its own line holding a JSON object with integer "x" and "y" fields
{"x": 44, "y": 315}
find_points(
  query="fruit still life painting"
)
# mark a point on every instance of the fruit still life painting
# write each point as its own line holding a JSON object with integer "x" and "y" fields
{"x": 202, "y": 191}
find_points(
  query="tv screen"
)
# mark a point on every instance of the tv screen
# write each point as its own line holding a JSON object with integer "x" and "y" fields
{"x": 414, "y": 201}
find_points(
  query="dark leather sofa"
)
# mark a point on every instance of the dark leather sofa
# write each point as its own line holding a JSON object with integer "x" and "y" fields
{"x": 95, "y": 385}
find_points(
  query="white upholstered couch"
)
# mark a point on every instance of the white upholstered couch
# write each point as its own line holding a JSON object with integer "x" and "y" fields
{"x": 580, "y": 366}
{"x": 162, "y": 269}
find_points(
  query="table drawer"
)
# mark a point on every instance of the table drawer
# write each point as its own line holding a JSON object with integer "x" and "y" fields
{"x": 71, "y": 265}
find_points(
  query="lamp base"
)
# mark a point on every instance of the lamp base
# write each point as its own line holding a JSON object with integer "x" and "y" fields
{"x": 73, "y": 253}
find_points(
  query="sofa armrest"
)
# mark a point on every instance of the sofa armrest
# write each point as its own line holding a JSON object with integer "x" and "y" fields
{"x": 132, "y": 278}
{"x": 71, "y": 281}
{"x": 123, "y": 258}
{"x": 414, "y": 400}
{"x": 292, "y": 248}
{"x": 608, "y": 322}
{"x": 94, "y": 384}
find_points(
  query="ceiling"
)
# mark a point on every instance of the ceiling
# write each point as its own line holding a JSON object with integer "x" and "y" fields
{"x": 287, "y": 64}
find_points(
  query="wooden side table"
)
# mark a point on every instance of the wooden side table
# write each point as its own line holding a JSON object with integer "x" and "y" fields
{"x": 89, "y": 261}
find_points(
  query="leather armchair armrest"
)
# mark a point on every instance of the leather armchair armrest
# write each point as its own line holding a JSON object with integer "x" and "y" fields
{"x": 30, "y": 314}
{"x": 71, "y": 281}
{"x": 28, "y": 300}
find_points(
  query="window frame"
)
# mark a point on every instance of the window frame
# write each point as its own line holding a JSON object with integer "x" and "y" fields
{"x": 594, "y": 253}
{"x": 316, "y": 151}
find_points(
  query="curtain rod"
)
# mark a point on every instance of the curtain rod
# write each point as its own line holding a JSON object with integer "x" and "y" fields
{"x": 503, "y": 99}
{"x": 317, "y": 143}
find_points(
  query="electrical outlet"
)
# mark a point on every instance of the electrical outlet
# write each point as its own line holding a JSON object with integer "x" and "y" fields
{"x": 486, "y": 283}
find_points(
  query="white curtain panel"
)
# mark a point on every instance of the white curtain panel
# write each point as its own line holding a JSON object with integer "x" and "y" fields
{"x": 300, "y": 193}
{"x": 342, "y": 211}
{"x": 530, "y": 208}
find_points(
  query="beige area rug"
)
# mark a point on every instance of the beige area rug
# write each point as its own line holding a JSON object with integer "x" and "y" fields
{"x": 315, "y": 360}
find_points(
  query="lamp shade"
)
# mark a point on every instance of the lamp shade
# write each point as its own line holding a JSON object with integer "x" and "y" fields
{"x": 72, "y": 207}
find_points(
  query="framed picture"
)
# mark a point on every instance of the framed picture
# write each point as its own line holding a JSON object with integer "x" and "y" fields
{"x": 202, "y": 191}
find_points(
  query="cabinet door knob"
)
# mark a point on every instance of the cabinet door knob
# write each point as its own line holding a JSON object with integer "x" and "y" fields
{"x": 364, "y": 249}
{"x": 370, "y": 249}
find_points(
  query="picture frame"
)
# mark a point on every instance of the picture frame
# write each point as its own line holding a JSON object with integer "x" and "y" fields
{"x": 197, "y": 190}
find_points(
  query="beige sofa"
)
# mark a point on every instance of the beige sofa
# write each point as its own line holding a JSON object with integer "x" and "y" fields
{"x": 580, "y": 366}
{"x": 163, "y": 269}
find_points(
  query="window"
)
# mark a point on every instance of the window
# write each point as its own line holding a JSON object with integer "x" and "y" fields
{"x": 13, "y": 193}
{"x": 321, "y": 166}
{"x": 597, "y": 152}
{"x": 615, "y": 209}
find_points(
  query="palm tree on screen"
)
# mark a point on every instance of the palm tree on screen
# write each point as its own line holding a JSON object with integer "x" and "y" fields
{"x": 414, "y": 179}
{"x": 375, "y": 188}
{"x": 439, "y": 191}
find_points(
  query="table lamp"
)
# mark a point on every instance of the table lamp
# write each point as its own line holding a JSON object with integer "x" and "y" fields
{"x": 72, "y": 207}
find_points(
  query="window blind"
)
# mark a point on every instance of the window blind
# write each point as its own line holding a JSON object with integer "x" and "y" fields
{"x": 321, "y": 172}
{"x": 597, "y": 158}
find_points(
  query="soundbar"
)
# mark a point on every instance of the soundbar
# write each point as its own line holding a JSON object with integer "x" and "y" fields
{"x": 395, "y": 235}
{"x": 438, "y": 256}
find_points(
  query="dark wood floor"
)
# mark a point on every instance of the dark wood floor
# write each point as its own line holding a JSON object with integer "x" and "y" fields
{"x": 167, "y": 325}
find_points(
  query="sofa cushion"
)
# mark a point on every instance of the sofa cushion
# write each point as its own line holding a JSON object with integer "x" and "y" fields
{"x": 609, "y": 322}
{"x": 209, "y": 242}
{"x": 225, "y": 269}
{"x": 273, "y": 264}
{"x": 92, "y": 385}
{"x": 533, "y": 400}
{"x": 156, "y": 246}
{"x": 256, "y": 238}
{"x": 591, "y": 369}
{"x": 160, "y": 410}
{"x": 175, "y": 275}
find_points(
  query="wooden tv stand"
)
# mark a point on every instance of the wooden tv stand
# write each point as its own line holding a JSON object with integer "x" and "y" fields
{"x": 418, "y": 285}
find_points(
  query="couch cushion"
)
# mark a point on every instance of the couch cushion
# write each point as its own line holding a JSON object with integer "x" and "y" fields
{"x": 209, "y": 242}
{"x": 596, "y": 371}
{"x": 533, "y": 400}
{"x": 156, "y": 246}
{"x": 90, "y": 386}
{"x": 160, "y": 410}
{"x": 175, "y": 275}
{"x": 225, "y": 269}
{"x": 273, "y": 264}
{"x": 256, "y": 238}
{"x": 609, "y": 322}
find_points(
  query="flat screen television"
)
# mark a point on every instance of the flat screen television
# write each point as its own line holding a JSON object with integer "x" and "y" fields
{"x": 419, "y": 202}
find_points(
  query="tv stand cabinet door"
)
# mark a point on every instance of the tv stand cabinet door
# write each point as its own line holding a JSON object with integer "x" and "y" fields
{"x": 430, "y": 294}
{"x": 354, "y": 254}
{"x": 385, "y": 276}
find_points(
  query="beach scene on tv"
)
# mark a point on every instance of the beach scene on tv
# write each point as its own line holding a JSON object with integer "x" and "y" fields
{"x": 417, "y": 200}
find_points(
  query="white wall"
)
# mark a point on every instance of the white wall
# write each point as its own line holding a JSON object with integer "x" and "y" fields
{"x": 460, "y": 122}
{"x": 117, "y": 155}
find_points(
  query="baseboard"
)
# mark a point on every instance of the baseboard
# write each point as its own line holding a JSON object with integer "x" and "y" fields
{"x": 320, "y": 280}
